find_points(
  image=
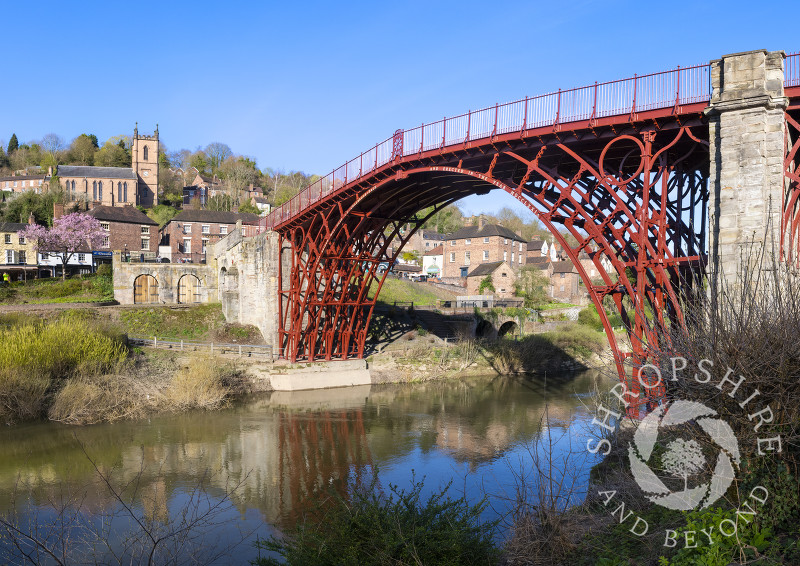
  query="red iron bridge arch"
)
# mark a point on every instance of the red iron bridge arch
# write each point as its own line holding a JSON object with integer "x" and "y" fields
{"x": 621, "y": 166}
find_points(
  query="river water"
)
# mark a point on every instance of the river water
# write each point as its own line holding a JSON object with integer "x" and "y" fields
{"x": 273, "y": 453}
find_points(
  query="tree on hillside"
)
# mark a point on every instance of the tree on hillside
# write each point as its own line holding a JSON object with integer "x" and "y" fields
{"x": 70, "y": 234}
{"x": 199, "y": 161}
{"x": 445, "y": 221}
{"x": 217, "y": 153}
{"x": 237, "y": 174}
{"x": 13, "y": 144}
{"x": 112, "y": 155}
{"x": 21, "y": 205}
{"x": 162, "y": 214}
{"x": 532, "y": 285}
{"x": 82, "y": 149}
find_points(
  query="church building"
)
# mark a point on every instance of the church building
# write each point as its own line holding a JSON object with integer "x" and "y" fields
{"x": 118, "y": 186}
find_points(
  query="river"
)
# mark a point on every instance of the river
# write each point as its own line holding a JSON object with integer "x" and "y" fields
{"x": 268, "y": 453}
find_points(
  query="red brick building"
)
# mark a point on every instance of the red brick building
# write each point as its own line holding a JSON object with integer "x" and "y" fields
{"x": 128, "y": 230}
{"x": 191, "y": 232}
{"x": 501, "y": 274}
{"x": 564, "y": 281}
{"x": 472, "y": 246}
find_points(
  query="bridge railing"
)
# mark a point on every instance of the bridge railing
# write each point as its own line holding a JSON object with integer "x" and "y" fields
{"x": 601, "y": 100}
{"x": 791, "y": 71}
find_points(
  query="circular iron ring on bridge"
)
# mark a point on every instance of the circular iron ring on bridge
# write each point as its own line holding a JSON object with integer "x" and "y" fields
{"x": 611, "y": 179}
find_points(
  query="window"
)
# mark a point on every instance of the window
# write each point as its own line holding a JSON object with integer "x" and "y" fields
{"x": 187, "y": 245}
{"x": 520, "y": 246}
{"x": 145, "y": 229}
{"x": 81, "y": 258}
{"x": 486, "y": 240}
{"x": 146, "y": 244}
{"x": 502, "y": 290}
{"x": 22, "y": 240}
{"x": 520, "y": 258}
{"x": 504, "y": 274}
{"x": 505, "y": 241}
{"x": 145, "y": 153}
{"x": 99, "y": 189}
{"x": 125, "y": 191}
{"x": 452, "y": 257}
{"x": 505, "y": 256}
{"x": 105, "y": 226}
{"x": 106, "y": 242}
{"x": 206, "y": 229}
{"x": 485, "y": 255}
{"x": 8, "y": 238}
{"x": 205, "y": 245}
{"x": 242, "y": 231}
{"x": 466, "y": 258}
{"x": 119, "y": 191}
{"x": 45, "y": 257}
{"x": 9, "y": 256}
{"x": 427, "y": 244}
{"x": 23, "y": 257}
{"x": 452, "y": 242}
{"x": 562, "y": 288}
{"x": 562, "y": 277}
{"x": 94, "y": 189}
{"x": 512, "y": 257}
{"x": 223, "y": 230}
{"x": 467, "y": 242}
{"x": 187, "y": 228}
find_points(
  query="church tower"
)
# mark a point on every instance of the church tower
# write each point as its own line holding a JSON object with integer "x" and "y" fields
{"x": 144, "y": 160}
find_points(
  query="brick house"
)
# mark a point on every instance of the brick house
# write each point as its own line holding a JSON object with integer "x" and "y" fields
{"x": 484, "y": 243}
{"x": 128, "y": 230}
{"x": 564, "y": 281}
{"x": 422, "y": 241}
{"x": 188, "y": 236}
{"x": 502, "y": 275}
{"x": 541, "y": 248}
{"x": 17, "y": 255}
{"x": 22, "y": 183}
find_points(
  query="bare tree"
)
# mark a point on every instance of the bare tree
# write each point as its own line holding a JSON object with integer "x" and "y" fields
{"x": 217, "y": 153}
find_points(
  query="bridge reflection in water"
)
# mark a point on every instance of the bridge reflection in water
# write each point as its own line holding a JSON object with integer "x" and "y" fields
{"x": 283, "y": 449}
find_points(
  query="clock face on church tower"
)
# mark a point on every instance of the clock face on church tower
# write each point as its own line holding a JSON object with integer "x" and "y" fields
{"x": 145, "y": 173}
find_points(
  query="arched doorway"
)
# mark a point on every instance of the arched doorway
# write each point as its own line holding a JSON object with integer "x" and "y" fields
{"x": 189, "y": 289}
{"x": 483, "y": 329}
{"x": 145, "y": 289}
{"x": 507, "y": 327}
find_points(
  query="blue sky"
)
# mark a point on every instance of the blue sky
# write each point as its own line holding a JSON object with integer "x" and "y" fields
{"x": 309, "y": 85}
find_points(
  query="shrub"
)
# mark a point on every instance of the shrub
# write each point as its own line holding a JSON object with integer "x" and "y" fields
{"x": 36, "y": 357}
{"x": 372, "y": 528}
{"x": 589, "y": 317}
{"x": 199, "y": 385}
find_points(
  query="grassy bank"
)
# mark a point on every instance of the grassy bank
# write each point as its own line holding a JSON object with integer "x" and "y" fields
{"x": 404, "y": 291}
{"x": 79, "y": 289}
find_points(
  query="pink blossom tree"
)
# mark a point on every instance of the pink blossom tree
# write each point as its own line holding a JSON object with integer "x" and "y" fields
{"x": 70, "y": 234}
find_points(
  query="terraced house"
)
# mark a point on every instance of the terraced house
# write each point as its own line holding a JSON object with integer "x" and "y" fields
{"x": 17, "y": 255}
{"x": 471, "y": 246}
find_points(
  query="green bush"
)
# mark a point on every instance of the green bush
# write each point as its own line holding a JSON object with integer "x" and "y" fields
{"x": 590, "y": 318}
{"x": 104, "y": 270}
{"x": 372, "y": 528}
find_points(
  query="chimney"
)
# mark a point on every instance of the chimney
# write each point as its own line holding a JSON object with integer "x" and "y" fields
{"x": 58, "y": 210}
{"x": 49, "y": 170}
{"x": 480, "y": 222}
{"x": 31, "y": 219}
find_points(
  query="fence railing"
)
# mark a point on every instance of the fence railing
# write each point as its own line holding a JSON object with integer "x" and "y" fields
{"x": 248, "y": 350}
{"x": 667, "y": 89}
{"x": 791, "y": 70}
{"x": 615, "y": 98}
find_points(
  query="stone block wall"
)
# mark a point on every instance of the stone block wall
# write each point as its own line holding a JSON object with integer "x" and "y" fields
{"x": 168, "y": 276}
{"x": 747, "y": 148}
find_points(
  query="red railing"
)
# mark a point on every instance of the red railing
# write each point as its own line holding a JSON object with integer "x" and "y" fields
{"x": 616, "y": 98}
{"x": 791, "y": 73}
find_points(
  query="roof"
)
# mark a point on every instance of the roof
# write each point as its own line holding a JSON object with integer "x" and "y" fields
{"x": 209, "y": 180}
{"x": 535, "y": 245}
{"x": 11, "y": 226}
{"x": 539, "y": 261}
{"x": 432, "y": 235}
{"x": 99, "y": 172}
{"x": 563, "y": 267}
{"x": 438, "y": 250}
{"x": 486, "y": 230}
{"x": 23, "y": 177}
{"x": 486, "y": 269}
{"x": 218, "y": 216}
{"x": 406, "y": 267}
{"x": 128, "y": 214}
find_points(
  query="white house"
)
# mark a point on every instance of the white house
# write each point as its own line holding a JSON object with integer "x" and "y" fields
{"x": 50, "y": 264}
{"x": 432, "y": 262}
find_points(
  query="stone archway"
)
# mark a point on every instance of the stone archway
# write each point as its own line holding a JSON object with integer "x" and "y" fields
{"x": 145, "y": 289}
{"x": 508, "y": 327}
